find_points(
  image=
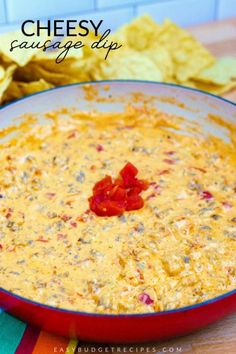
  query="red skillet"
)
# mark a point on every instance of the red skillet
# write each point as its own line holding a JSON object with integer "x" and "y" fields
{"x": 122, "y": 328}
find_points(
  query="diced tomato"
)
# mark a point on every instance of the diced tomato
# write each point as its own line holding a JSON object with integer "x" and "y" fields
{"x": 129, "y": 169}
{"x": 128, "y": 174}
{"x": 99, "y": 148}
{"x": 73, "y": 223}
{"x": 133, "y": 191}
{"x": 142, "y": 184}
{"x": 100, "y": 197}
{"x": 92, "y": 203}
{"x": 118, "y": 193}
{"x": 113, "y": 198}
{"x": 134, "y": 202}
{"x": 146, "y": 299}
{"x": 129, "y": 181}
{"x": 169, "y": 161}
{"x": 101, "y": 185}
{"x": 108, "y": 208}
{"x": 227, "y": 205}
{"x": 120, "y": 182}
{"x": 206, "y": 195}
{"x": 65, "y": 217}
{"x": 169, "y": 153}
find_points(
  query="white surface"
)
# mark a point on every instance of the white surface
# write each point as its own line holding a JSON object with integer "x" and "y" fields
{"x": 226, "y": 8}
{"x": 115, "y": 12}
{"x": 2, "y": 12}
{"x": 183, "y": 12}
{"x": 111, "y": 19}
{"x": 9, "y": 27}
{"x": 113, "y": 3}
{"x": 25, "y": 9}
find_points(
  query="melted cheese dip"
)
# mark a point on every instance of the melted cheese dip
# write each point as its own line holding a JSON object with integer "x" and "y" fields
{"x": 178, "y": 250}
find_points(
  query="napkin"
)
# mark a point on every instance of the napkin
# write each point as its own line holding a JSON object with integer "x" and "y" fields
{"x": 17, "y": 337}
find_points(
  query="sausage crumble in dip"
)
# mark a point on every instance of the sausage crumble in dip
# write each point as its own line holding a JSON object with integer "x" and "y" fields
{"x": 176, "y": 249}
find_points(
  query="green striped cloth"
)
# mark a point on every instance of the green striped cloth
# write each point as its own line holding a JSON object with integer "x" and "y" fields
{"x": 17, "y": 337}
{"x": 11, "y": 332}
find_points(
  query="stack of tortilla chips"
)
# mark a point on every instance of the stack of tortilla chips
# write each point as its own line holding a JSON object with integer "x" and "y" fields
{"x": 149, "y": 51}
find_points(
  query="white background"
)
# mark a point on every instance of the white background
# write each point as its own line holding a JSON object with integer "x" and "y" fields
{"x": 115, "y": 12}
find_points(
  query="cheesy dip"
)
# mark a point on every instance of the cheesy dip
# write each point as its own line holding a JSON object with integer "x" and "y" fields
{"x": 177, "y": 250}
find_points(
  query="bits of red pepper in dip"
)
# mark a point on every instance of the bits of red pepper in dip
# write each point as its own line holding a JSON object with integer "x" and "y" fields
{"x": 78, "y": 234}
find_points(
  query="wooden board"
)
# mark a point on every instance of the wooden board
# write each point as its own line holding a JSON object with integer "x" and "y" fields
{"x": 219, "y": 338}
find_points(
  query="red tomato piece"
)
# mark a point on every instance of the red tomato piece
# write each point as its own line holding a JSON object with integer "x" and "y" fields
{"x": 120, "y": 182}
{"x": 146, "y": 299}
{"x": 169, "y": 161}
{"x": 99, "y": 148}
{"x": 113, "y": 198}
{"x": 134, "y": 202}
{"x": 129, "y": 181}
{"x": 65, "y": 217}
{"x": 142, "y": 184}
{"x": 109, "y": 208}
{"x": 133, "y": 191}
{"x": 118, "y": 193}
{"x": 101, "y": 185}
{"x": 73, "y": 223}
{"x": 169, "y": 153}
{"x": 129, "y": 169}
{"x": 206, "y": 195}
{"x": 128, "y": 174}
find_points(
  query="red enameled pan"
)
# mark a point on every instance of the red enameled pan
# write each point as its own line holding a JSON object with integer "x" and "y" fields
{"x": 131, "y": 328}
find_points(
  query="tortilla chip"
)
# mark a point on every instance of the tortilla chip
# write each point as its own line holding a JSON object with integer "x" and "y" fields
{"x": 18, "y": 89}
{"x": 149, "y": 51}
{"x": 6, "y": 80}
{"x": 34, "y": 72}
{"x": 220, "y": 73}
{"x": 19, "y": 56}
{"x": 188, "y": 55}
{"x": 48, "y": 71}
{"x": 130, "y": 65}
{"x": 77, "y": 69}
{"x": 162, "y": 59}
{"x": 2, "y": 72}
{"x": 212, "y": 88}
{"x": 177, "y": 54}
{"x": 140, "y": 34}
